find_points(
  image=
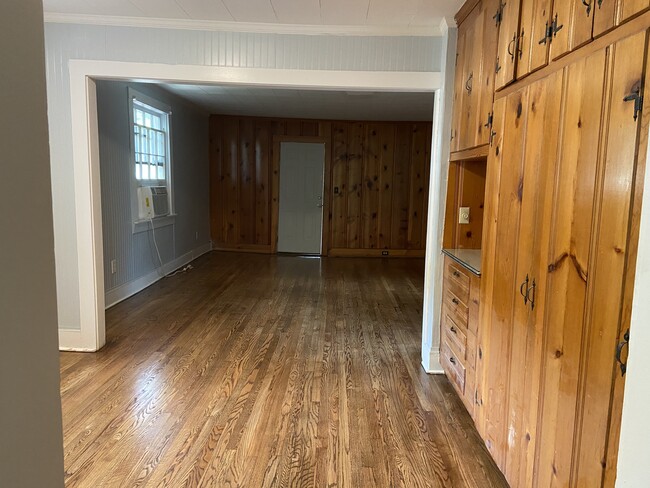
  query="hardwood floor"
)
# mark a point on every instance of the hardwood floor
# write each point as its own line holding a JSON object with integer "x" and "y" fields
{"x": 269, "y": 371}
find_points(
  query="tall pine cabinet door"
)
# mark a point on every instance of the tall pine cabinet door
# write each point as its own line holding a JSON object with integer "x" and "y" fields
{"x": 459, "y": 87}
{"x": 570, "y": 253}
{"x": 497, "y": 345}
{"x": 621, "y": 128}
{"x": 488, "y": 69}
{"x": 571, "y": 26}
{"x": 533, "y": 45}
{"x": 507, "y": 51}
{"x": 472, "y": 76}
{"x": 630, "y": 275}
{"x": 488, "y": 256}
{"x": 540, "y": 156}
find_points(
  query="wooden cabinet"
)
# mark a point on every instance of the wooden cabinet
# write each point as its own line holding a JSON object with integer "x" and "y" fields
{"x": 532, "y": 32}
{"x": 560, "y": 233}
{"x": 475, "y": 72}
{"x": 611, "y": 13}
{"x": 523, "y": 44}
{"x": 560, "y": 193}
{"x": 533, "y": 46}
{"x": 459, "y": 324}
{"x": 571, "y": 26}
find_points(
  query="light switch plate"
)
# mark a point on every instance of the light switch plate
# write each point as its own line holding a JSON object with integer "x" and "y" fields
{"x": 463, "y": 215}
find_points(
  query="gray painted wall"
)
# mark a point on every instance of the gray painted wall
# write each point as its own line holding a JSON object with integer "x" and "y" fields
{"x": 69, "y": 41}
{"x": 135, "y": 253}
{"x": 31, "y": 445}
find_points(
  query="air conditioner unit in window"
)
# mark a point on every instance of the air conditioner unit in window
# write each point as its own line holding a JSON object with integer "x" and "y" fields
{"x": 153, "y": 201}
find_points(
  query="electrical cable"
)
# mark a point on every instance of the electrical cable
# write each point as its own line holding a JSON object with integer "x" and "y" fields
{"x": 161, "y": 272}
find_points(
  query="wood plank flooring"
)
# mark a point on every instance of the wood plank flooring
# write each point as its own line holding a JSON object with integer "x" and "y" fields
{"x": 269, "y": 371}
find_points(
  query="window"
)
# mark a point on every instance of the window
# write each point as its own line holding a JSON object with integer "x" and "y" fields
{"x": 150, "y": 144}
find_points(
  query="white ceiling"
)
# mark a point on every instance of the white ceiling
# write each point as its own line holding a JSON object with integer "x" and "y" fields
{"x": 418, "y": 17}
{"x": 310, "y": 104}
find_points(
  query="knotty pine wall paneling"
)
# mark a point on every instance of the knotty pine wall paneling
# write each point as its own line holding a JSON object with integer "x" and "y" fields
{"x": 376, "y": 187}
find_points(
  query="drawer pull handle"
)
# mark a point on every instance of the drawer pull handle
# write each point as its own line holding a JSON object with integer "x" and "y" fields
{"x": 456, "y": 274}
{"x": 452, "y": 360}
{"x": 455, "y": 301}
{"x": 453, "y": 329}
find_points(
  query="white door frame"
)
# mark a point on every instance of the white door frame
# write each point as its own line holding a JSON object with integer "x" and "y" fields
{"x": 85, "y": 146}
{"x": 324, "y": 175}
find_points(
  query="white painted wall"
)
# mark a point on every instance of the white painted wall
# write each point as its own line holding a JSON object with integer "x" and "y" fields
{"x": 314, "y": 54}
{"x": 634, "y": 452}
{"x": 437, "y": 199}
{"x": 31, "y": 438}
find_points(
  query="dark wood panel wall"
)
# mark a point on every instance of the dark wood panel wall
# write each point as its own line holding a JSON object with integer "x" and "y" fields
{"x": 377, "y": 174}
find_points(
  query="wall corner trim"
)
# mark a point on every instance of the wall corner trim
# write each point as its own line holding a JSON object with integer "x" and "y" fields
{"x": 431, "y": 364}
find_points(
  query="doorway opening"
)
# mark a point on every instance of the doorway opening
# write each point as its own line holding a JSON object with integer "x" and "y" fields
{"x": 90, "y": 335}
{"x": 300, "y": 213}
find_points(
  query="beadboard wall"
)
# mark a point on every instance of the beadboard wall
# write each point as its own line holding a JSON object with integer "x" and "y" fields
{"x": 64, "y": 42}
{"x": 136, "y": 260}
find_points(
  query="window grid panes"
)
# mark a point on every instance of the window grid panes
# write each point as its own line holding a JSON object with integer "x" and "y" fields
{"x": 150, "y": 142}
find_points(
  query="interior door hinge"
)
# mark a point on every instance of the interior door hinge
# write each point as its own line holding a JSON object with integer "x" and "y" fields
{"x": 637, "y": 98}
{"x": 551, "y": 31}
{"x": 498, "y": 17}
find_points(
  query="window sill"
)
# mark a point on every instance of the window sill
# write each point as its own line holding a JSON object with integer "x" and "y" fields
{"x": 140, "y": 226}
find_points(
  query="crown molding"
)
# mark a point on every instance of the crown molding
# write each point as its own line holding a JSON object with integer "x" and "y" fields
{"x": 249, "y": 27}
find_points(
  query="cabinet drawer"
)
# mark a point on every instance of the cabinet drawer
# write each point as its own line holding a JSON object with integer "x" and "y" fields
{"x": 454, "y": 336}
{"x": 457, "y": 280}
{"x": 456, "y": 309}
{"x": 454, "y": 369}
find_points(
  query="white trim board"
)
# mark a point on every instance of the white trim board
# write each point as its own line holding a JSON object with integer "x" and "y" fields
{"x": 127, "y": 290}
{"x": 85, "y": 150}
{"x": 251, "y": 27}
{"x": 381, "y": 81}
{"x": 432, "y": 306}
{"x": 433, "y": 365}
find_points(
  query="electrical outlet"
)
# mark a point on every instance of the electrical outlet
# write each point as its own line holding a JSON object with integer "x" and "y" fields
{"x": 113, "y": 266}
{"x": 463, "y": 215}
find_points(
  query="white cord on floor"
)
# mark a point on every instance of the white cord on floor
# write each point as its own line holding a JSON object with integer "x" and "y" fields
{"x": 161, "y": 272}
{"x": 153, "y": 233}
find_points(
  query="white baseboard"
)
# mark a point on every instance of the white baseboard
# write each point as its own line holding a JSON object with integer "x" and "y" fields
{"x": 122, "y": 292}
{"x": 432, "y": 363}
{"x": 73, "y": 340}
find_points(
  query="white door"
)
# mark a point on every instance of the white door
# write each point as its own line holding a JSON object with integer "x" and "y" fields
{"x": 300, "y": 223}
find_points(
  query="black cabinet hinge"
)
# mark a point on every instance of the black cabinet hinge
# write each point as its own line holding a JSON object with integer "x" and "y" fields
{"x": 497, "y": 68}
{"x": 551, "y": 31}
{"x": 490, "y": 120}
{"x": 637, "y": 98}
{"x": 498, "y": 17}
{"x": 488, "y": 125}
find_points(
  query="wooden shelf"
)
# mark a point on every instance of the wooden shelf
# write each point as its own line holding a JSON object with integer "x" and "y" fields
{"x": 480, "y": 152}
